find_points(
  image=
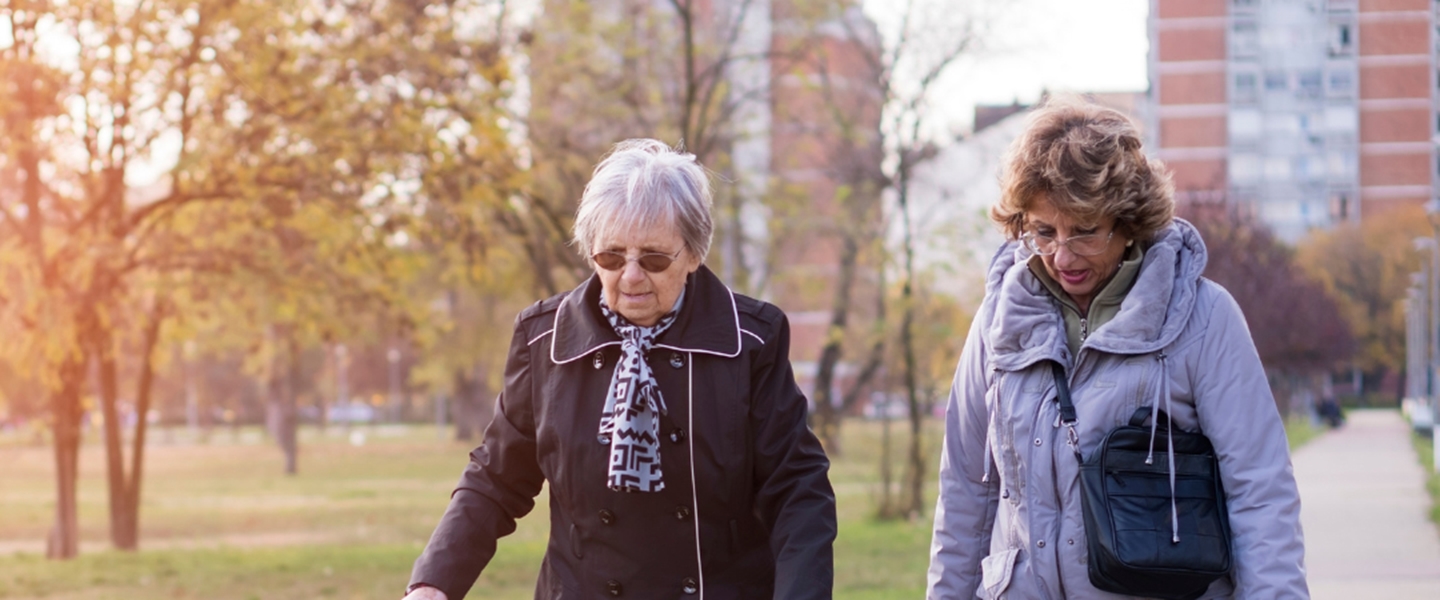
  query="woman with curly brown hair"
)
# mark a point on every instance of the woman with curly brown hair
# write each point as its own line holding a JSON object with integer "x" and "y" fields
{"x": 1099, "y": 277}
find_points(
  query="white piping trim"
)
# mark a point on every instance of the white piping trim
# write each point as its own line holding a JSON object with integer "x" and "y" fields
{"x": 694, "y": 491}
{"x": 754, "y": 335}
{"x": 734, "y": 311}
{"x": 537, "y": 338}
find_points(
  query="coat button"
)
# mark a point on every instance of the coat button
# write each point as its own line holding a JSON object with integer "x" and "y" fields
{"x": 599, "y": 360}
{"x": 676, "y": 360}
{"x": 614, "y": 588}
{"x": 1040, "y": 543}
{"x": 1005, "y": 493}
{"x": 677, "y": 435}
{"x": 607, "y": 517}
{"x": 1037, "y": 441}
{"x": 1070, "y": 542}
{"x": 682, "y": 513}
{"x": 689, "y": 586}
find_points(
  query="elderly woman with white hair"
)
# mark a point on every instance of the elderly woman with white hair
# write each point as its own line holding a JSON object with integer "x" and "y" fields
{"x": 662, "y": 409}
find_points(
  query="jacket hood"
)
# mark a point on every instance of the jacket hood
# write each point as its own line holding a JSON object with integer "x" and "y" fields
{"x": 1023, "y": 320}
{"x": 708, "y": 322}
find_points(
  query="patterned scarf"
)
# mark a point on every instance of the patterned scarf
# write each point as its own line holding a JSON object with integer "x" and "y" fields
{"x": 630, "y": 422}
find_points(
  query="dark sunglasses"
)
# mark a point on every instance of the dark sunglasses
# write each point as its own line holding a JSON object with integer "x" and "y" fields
{"x": 653, "y": 262}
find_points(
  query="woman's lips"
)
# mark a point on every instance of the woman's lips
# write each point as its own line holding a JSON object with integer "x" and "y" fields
{"x": 1074, "y": 277}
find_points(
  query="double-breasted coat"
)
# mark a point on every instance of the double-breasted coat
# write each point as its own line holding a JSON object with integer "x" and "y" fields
{"x": 747, "y": 510}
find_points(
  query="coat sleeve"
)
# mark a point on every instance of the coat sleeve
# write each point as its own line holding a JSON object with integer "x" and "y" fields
{"x": 1238, "y": 413}
{"x": 498, "y": 486}
{"x": 965, "y": 510}
{"x": 794, "y": 498}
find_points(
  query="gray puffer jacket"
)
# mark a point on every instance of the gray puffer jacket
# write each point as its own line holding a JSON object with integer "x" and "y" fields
{"x": 1018, "y": 532}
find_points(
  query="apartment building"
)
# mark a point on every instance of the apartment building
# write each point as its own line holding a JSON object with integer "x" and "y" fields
{"x": 1302, "y": 113}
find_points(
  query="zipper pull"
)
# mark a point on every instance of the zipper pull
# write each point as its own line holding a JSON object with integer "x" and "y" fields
{"x": 1084, "y": 328}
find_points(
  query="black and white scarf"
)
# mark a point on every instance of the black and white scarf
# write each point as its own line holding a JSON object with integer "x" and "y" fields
{"x": 630, "y": 422}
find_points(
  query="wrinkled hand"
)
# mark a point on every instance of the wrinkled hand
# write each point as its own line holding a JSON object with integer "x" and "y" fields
{"x": 426, "y": 593}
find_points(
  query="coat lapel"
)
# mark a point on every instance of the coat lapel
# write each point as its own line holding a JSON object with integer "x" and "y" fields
{"x": 708, "y": 322}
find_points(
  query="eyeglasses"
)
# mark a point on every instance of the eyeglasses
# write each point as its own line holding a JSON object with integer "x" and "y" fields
{"x": 1089, "y": 244}
{"x": 654, "y": 262}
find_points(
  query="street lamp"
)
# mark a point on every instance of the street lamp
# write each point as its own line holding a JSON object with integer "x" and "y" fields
{"x": 1432, "y": 213}
{"x": 1414, "y": 340}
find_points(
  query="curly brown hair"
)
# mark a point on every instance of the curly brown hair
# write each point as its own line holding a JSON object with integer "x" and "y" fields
{"x": 1086, "y": 159}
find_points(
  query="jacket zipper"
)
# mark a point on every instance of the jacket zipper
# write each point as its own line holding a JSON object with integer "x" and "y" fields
{"x": 1084, "y": 329}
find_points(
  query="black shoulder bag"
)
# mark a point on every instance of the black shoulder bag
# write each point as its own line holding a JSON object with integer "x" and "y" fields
{"x": 1148, "y": 533}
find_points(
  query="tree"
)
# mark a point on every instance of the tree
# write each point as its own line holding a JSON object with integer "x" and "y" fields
{"x": 1366, "y": 267}
{"x": 832, "y": 108}
{"x": 1297, "y": 326}
{"x": 921, "y": 44}
{"x": 303, "y": 133}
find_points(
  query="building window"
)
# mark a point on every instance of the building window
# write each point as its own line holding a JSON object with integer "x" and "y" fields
{"x": 1341, "y": 120}
{"x": 1342, "y": 39}
{"x": 1277, "y": 169}
{"x": 1244, "y": 39}
{"x": 1247, "y": 90}
{"x": 1244, "y": 169}
{"x": 1310, "y": 86}
{"x": 1245, "y": 125}
{"x": 1342, "y": 83}
{"x": 1276, "y": 81}
{"x": 1340, "y": 205}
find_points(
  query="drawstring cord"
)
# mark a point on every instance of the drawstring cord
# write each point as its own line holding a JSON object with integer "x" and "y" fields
{"x": 990, "y": 399}
{"x": 1170, "y": 443}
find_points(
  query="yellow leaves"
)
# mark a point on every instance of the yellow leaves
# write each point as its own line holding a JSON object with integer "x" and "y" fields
{"x": 1366, "y": 267}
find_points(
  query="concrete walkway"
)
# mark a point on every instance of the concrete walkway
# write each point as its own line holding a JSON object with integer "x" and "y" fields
{"x": 1363, "y": 507}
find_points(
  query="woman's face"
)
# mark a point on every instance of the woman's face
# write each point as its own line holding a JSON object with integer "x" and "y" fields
{"x": 640, "y": 295}
{"x": 1080, "y": 276}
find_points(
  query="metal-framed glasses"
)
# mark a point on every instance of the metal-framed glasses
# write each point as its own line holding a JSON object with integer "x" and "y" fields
{"x": 1089, "y": 244}
{"x": 653, "y": 262}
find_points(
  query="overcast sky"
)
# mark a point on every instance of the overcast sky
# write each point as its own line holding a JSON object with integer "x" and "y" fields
{"x": 1078, "y": 45}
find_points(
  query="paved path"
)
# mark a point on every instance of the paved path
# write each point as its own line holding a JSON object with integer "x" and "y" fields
{"x": 1363, "y": 507}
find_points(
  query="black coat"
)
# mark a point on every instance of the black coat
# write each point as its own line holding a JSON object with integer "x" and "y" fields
{"x": 765, "y": 511}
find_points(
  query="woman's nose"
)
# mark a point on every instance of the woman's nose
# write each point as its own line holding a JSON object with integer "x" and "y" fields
{"x": 632, "y": 271}
{"x": 1064, "y": 256}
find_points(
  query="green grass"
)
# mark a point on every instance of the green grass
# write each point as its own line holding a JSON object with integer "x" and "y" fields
{"x": 1425, "y": 447}
{"x": 1299, "y": 430}
{"x": 220, "y": 521}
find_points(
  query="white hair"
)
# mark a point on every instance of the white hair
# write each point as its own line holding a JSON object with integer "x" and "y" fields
{"x": 643, "y": 183}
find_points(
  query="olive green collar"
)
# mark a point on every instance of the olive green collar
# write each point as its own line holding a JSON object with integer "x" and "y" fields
{"x": 1103, "y": 307}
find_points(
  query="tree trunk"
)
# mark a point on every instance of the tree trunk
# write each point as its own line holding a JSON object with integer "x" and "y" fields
{"x": 101, "y": 346}
{"x": 887, "y": 478}
{"x": 282, "y": 396}
{"x": 125, "y": 518}
{"x": 468, "y": 409}
{"x": 827, "y": 418}
{"x": 64, "y": 541}
{"x": 916, "y": 463}
{"x": 460, "y": 386}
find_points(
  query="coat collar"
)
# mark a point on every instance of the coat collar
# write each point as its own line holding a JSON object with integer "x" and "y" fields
{"x": 708, "y": 322}
{"x": 1024, "y": 325}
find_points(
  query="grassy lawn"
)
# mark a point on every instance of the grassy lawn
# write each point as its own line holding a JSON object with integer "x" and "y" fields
{"x": 1425, "y": 447}
{"x": 1299, "y": 430}
{"x": 220, "y": 521}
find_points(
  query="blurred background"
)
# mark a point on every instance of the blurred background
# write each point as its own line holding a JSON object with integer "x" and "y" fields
{"x": 261, "y": 259}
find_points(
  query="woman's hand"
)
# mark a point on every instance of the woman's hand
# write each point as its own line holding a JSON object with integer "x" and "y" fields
{"x": 425, "y": 592}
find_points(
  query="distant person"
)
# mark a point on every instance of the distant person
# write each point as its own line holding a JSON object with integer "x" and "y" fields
{"x": 1099, "y": 276}
{"x": 662, "y": 409}
{"x": 1330, "y": 412}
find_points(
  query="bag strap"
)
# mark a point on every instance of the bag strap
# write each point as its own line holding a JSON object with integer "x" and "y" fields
{"x": 1067, "y": 408}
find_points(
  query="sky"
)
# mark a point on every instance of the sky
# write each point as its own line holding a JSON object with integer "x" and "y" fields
{"x": 1038, "y": 45}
